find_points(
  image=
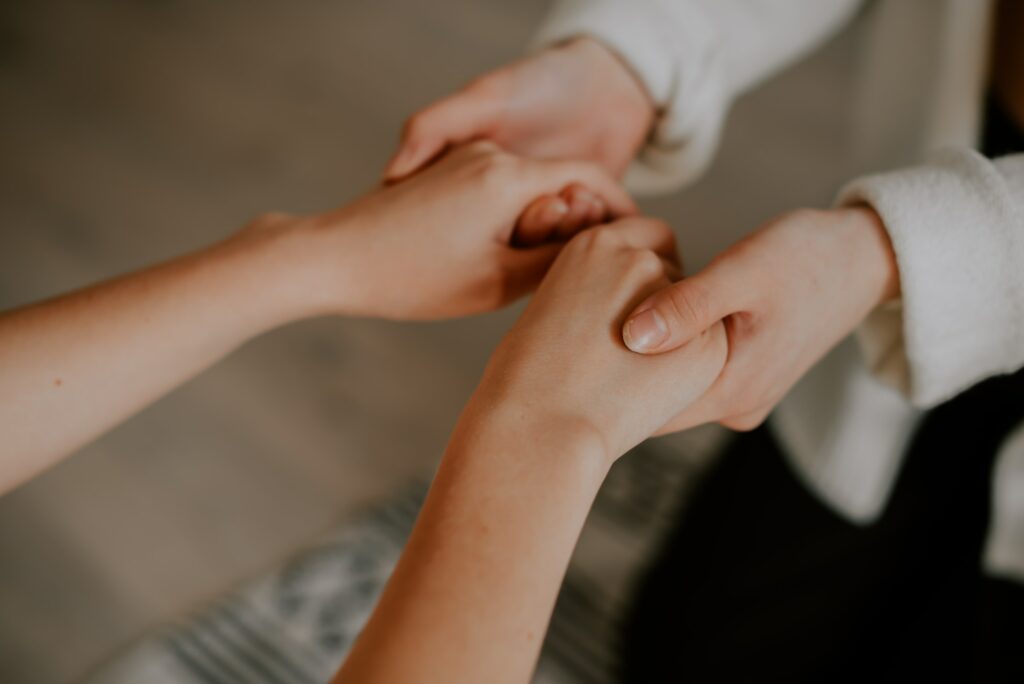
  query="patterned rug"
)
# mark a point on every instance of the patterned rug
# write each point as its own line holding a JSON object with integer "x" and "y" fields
{"x": 295, "y": 624}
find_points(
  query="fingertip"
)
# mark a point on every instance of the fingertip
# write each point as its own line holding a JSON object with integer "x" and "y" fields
{"x": 540, "y": 220}
{"x": 586, "y": 204}
{"x": 552, "y": 213}
{"x": 579, "y": 203}
{"x": 401, "y": 164}
{"x": 598, "y": 212}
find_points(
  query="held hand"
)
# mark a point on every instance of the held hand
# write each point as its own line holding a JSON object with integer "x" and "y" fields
{"x": 438, "y": 244}
{"x": 787, "y": 295}
{"x": 575, "y": 101}
{"x": 563, "y": 368}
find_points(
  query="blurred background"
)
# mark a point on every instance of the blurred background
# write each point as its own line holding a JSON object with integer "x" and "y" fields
{"x": 133, "y": 131}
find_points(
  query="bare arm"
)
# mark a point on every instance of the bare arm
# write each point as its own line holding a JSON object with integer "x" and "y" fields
{"x": 75, "y": 366}
{"x": 561, "y": 399}
{"x": 434, "y": 246}
{"x": 471, "y": 598}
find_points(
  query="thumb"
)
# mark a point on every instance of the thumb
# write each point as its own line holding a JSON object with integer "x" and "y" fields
{"x": 679, "y": 312}
{"x": 459, "y": 118}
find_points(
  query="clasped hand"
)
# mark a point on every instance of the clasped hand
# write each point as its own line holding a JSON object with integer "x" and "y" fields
{"x": 786, "y": 294}
{"x": 462, "y": 236}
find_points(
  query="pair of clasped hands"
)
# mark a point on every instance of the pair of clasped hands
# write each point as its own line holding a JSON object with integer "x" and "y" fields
{"x": 509, "y": 185}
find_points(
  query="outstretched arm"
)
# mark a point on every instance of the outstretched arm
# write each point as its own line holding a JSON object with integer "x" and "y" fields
{"x": 435, "y": 246}
{"x": 561, "y": 399}
{"x": 75, "y": 366}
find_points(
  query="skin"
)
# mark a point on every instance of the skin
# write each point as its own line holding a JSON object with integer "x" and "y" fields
{"x": 574, "y": 101}
{"x": 473, "y": 592}
{"x": 553, "y": 104}
{"x": 561, "y": 399}
{"x": 786, "y": 294}
{"x": 435, "y": 246}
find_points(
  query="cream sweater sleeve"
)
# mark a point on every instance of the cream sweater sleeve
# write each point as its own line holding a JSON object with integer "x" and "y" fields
{"x": 695, "y": 57}
{"x": 957, "y": 226}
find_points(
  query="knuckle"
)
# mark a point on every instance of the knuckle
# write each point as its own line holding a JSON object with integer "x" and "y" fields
{"x": 605, "y": 237}
{"x": 660, "y": 226}
{"x": 667, "y": 234}
{"x": 492, "y": 168}
{"x": 689, "y": 302}
{"x": 484, "y": 147}
{"x": 646, "y": 263}
{"x": 747, "y": 422}
{"x": 415, "y": 125}
{"x": 590, "y": 240}
{"x": 582, "y": 241}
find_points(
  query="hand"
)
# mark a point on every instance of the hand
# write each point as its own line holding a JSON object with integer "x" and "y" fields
{"x": 787, "y": 294}
{"x": 436, "y": 245}
{"x": 575, "y": 101}
{"x": 563, "y": 368}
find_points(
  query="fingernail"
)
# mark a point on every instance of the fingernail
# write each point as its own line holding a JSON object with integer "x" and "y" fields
{"x": 553, "y": 212}
{"x": 645, "y": 331}
{"x": 586, "y": 197}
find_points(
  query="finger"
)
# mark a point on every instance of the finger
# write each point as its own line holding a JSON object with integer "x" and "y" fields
{"x": 525, "y": 268}
{"x": 673, "y": 271}
{"x": 598, "y": 212}
{"x": 645, "y": 234}
{"x": 679, "y": 312}
{"x": 455, "y": 119}
{"x": 747, "y": 421}
{"x": 547, "y": 176}
{"x": 539, "y": 220}
{"x": 580, "y": 201}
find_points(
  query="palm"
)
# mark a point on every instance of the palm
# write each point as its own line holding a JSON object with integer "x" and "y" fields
{"x": 577, "y": 101}
{"x": 566, "y": 105}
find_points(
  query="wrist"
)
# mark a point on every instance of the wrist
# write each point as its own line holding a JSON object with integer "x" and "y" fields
{"x": 625, "y": 91}
{"x": 535, "y": 436}
{"x": 874, "y": 251}
{"x": 295, "y": 266}
{"x": 270, "y": 263}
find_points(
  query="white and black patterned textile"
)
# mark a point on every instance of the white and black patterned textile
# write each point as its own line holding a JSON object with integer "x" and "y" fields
{"x": 294, "y": 625}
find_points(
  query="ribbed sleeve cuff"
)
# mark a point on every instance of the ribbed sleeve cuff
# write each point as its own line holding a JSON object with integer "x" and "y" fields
{"x": 956, "y": 227}
{"x": 669, "y": 49}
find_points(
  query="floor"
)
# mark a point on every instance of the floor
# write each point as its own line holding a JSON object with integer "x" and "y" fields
{"x": 130, "y": 131}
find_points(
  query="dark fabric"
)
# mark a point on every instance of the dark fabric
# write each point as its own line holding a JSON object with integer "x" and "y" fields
{"x": 1001, "y": 134}
{"x": 762, "y": 582}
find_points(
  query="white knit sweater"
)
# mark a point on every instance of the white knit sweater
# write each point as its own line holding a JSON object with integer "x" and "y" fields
{"x": 955, "y": 218}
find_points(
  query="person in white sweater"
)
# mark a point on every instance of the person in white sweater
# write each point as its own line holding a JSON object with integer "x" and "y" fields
{"x": 924, "y": 261}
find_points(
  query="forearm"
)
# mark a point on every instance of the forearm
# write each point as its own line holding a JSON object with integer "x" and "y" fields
{"x": 75, "y": 366}
{"x": 471, "y": 597}
{"x": 561, "y": 399}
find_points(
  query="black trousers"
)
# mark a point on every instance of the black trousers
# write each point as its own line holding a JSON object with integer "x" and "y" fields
{"x": 762, "y": 582}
